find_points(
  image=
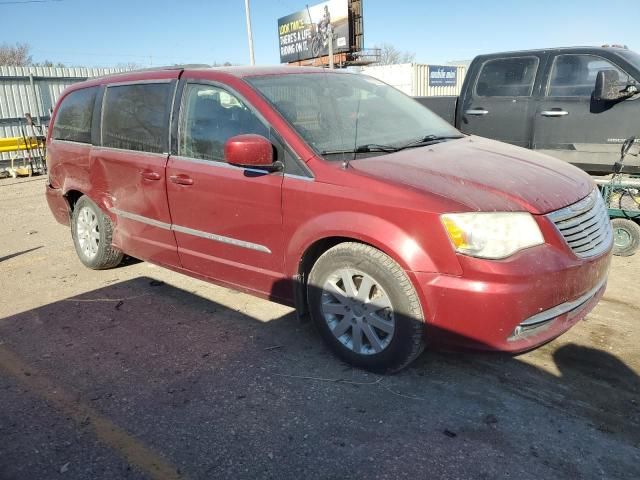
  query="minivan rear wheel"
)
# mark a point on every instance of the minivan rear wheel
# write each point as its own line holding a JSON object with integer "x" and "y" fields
{"x": 365, "y": 308}
{"x": 92, "y": 232}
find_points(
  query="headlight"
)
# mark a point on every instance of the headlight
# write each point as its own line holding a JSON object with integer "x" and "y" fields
{"x": 491, "y": 234}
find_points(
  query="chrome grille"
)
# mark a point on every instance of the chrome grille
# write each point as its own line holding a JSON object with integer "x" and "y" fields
{"x": 585, "y": 225}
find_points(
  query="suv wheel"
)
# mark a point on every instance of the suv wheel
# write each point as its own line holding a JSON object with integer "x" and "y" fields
{"x": 91, "y": 230}
{"x": 366, "y": 308}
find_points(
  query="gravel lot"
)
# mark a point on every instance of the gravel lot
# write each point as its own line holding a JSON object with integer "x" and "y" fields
{"x": 139, "y": 372}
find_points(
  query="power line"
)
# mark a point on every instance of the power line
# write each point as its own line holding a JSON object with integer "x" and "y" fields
{"x": 19, "y": 2}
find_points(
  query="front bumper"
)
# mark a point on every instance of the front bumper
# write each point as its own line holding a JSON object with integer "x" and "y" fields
{"x": 512, "y": 305}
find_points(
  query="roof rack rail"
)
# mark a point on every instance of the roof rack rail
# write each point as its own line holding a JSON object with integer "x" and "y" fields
{"x": 171, "y": 67}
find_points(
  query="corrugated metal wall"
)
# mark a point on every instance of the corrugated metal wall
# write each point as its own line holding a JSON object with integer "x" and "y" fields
{"x": 422, "y": 88}
{"x": 35, "y": 90}
{"x": 413, "y": 79}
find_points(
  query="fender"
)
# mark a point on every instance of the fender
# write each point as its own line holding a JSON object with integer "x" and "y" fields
{"x": 101, "y": 199}
{"x": 378, "y": 232}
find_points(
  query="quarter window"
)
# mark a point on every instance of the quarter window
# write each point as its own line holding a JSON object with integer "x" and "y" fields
{"x": 135, "y": 117}
{"x": 210, "y": 116}
{"x": 507, "y": 77}
{"x": 73, "y": 120}
{"x": 575, "y": 75}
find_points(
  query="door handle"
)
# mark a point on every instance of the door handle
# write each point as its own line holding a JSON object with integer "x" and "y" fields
{"x": 554, "y": 113}
{"x": 477, "y": 112}
{"x": 150, "y": 175}
{"x": 181, "y": 179}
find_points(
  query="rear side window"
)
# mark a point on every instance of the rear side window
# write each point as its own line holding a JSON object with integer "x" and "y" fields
{"x": 135, "y": 117}
{"x": 575, "y": 75}
{"x": 73, "y": 120}
{"x": 507, "y": 77}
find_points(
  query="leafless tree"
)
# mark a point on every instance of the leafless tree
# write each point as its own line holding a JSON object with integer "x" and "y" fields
{"x": 390, "y": 55}
{"x": 49, "y": 63}
{"x": 15, "y": 55}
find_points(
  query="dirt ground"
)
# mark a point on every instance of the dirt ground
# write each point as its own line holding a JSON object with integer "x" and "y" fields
{"x": 139, "y": 372}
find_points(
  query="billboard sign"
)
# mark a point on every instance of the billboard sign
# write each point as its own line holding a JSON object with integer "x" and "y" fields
{"x": 441, "y": 75}
{"x": 304, "y": 35}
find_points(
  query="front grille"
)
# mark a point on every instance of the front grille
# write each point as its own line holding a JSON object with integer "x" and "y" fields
{"x": 585, "y": 225}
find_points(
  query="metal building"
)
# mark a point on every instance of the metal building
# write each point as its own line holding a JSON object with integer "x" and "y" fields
{"x": 35, "y": 90}
{"x": 417, "y": 80}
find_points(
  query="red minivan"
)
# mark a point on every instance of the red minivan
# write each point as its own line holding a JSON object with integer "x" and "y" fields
{"x": 337, "y": 194}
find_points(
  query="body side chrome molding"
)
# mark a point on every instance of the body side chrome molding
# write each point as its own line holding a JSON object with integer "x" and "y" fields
{"x": 220, "y": 238}
{"x": 140, "y": 218}
{"x": 190, "y": 231}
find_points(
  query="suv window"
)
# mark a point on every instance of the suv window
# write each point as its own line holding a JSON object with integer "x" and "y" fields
{"x": 210, "y": 116}
{"x": 507, "y": 77}
{"x": 73, "y": 120}
{"x": 135, "y": 117}
{"x": 575, "y": 75}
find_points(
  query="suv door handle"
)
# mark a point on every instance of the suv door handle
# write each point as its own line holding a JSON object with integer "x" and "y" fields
{"x": 150, "y": 175}
{"x": 181, "y": 179}
{"x": 477, "y": 111}
{"x": 554, "y": 113}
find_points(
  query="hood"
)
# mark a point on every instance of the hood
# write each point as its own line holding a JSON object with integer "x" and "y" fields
{"x": 483, "y": 175}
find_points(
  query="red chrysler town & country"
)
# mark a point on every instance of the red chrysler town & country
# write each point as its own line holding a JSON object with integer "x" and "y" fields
{"x": 337, "y": 194}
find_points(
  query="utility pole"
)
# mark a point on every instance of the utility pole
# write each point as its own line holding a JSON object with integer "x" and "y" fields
{"x": 252, "y": 60}
{"x": 330, "y": 33}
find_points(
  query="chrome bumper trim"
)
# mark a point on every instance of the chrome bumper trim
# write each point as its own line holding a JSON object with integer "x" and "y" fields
{"x": 543, "y": 318}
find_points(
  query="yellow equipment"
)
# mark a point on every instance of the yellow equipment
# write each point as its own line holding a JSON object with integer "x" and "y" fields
{"x": 15, "y": 144}
{"x": 33, "y": 161}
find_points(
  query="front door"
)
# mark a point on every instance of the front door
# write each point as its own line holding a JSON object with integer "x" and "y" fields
{"x": 227, "y": 220}
{"x": 571, "y": 125}
{"x": 499, "y": 105}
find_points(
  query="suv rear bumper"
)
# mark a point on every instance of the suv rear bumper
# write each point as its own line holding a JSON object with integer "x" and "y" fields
{"x": 512, "y": 305}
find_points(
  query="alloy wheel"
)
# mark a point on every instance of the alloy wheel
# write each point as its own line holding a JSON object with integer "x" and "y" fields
{"x": 88, "y": 232}
{"x": 358, "y": 311}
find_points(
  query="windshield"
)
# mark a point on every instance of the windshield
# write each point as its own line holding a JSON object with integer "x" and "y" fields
{"x": 632, "y": 57}
{"x": 341, "y": 111}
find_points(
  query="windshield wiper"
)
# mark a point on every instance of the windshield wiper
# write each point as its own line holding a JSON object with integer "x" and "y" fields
{"x": 428, "y": 140}
{"x": 367, "y": 148}
{"x": 375, "y": 147}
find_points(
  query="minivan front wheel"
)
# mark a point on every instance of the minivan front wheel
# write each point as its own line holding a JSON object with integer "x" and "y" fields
{"x": 92, "y": 230}
{"x": 365, "y": 307}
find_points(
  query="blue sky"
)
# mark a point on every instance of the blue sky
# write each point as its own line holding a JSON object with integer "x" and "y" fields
{"x": 106, "y": 33}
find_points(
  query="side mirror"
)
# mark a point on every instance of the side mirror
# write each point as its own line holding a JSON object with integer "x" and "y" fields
{"x": 608, "y": 87}
{"x": 250, "y": 151}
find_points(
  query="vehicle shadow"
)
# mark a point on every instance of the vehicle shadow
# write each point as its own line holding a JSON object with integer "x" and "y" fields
{"x": 221, "y": 394}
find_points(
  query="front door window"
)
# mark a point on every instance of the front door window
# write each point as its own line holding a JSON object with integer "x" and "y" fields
{"x": 210, "y": 117}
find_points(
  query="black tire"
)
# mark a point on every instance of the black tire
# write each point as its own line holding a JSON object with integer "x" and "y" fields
{"x": 406, "y": 341}
{"x": 105, "y": 256}
{"x": 626, "y": 234}
{"x": 315, "y": 46}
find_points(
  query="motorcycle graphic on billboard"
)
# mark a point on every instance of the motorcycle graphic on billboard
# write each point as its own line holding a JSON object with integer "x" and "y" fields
{"x": 306, "y": 34}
